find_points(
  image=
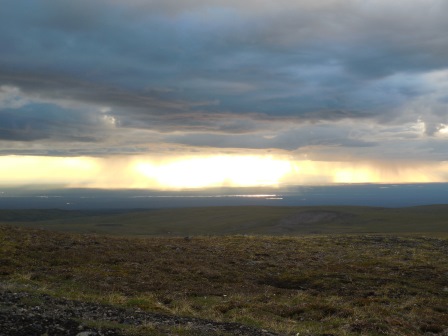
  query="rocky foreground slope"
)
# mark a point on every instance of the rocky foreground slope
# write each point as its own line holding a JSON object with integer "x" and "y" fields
{"x": 348, "y": 285}
{"x": 26, "y": 314}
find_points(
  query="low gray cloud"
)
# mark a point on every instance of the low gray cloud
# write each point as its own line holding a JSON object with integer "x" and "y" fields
{"x": 290, "y": 139}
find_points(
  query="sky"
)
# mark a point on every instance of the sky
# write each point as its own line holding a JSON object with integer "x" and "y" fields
{"x": 185, "y": 94}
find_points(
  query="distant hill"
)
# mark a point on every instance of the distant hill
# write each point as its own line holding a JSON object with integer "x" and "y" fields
{"x": 259, "y": 220}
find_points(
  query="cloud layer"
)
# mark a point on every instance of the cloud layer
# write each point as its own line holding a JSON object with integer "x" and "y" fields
{"x": 323, "y": 80}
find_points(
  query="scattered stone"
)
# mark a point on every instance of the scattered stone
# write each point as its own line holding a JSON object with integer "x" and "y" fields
{"x": 57, "y": 317}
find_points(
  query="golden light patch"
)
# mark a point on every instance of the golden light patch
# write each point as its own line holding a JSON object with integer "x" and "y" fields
{"x": 355, "y": 175}
{"x": 43, "y": 170}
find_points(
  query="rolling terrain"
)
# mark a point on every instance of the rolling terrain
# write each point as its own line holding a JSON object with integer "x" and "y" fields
{"x": 255, "y": 271}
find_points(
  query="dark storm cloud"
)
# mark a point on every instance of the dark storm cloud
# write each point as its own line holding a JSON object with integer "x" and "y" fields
{"x": 205, "y": 70}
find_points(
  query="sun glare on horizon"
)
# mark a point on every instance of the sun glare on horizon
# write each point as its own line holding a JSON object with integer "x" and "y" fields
{"x": 184, "y": 172}
{"x": 232, "y": 171}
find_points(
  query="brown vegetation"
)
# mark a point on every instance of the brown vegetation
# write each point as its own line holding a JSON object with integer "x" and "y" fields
{"x": 339, "y": 284}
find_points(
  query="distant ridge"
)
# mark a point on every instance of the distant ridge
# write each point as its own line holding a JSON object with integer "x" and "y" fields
{"x": 261, "y": 220}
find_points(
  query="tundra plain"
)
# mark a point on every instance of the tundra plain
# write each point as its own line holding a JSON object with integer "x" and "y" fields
{"x": 289, "y": 271}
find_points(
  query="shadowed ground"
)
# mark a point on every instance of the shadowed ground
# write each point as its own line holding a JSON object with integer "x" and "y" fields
{"x": 237, "y": 220}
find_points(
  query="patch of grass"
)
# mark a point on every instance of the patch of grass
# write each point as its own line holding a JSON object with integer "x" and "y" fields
{"x": 341, "y": 284}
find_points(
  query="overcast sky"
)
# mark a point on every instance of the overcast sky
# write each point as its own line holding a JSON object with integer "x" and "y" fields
{"x": 325, "y": 80}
